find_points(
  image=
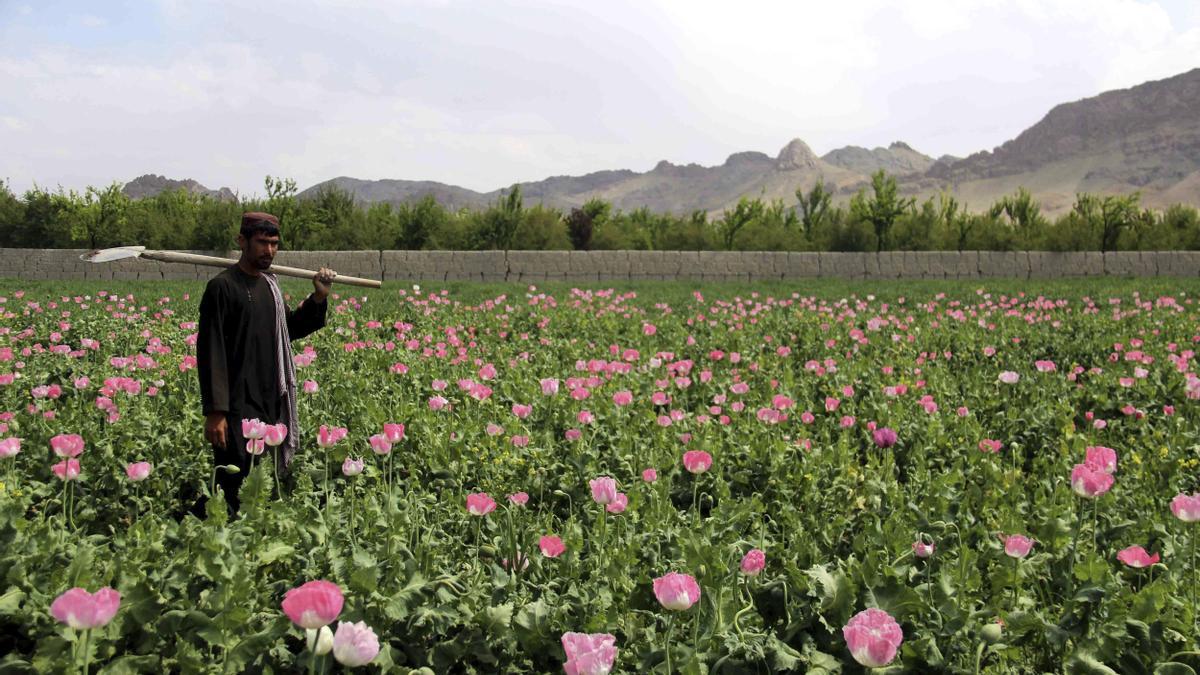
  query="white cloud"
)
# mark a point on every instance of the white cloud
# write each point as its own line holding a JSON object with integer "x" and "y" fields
{"x": 484, "y": 94}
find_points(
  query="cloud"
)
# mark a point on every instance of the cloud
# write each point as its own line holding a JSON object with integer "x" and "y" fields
{"x": 485, "y": 94}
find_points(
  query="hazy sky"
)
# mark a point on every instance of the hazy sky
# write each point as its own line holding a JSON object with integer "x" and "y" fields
{"x": 485, "y": 93}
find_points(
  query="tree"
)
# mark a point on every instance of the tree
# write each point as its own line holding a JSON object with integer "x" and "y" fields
{"x": 581, "y": 222}
{"x": 882, "y": 208}
{"x": 1109, "y": 216}
{"x": 499, "y": 223}
{"x": 746, "y": 212}
{"x": 814, "y": 206}
{"x": 1020, "y": 212}
{"x": 12, "y": 215}
{"x": 419, "y": 222}
{"x": 98, "y": 218}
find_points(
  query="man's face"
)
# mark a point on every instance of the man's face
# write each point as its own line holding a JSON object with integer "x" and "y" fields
{"x": 260, "y": 249}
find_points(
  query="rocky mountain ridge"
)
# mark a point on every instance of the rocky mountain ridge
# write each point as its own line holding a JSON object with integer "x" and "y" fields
{"x": 1145, "y": 138}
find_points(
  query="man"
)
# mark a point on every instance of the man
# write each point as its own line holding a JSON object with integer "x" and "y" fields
{"x": 243, "y": 350}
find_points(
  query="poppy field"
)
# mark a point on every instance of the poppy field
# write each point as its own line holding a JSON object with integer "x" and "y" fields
{"x": 956, "y": 477}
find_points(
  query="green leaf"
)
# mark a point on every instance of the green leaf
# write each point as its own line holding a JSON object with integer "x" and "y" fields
{"x": 10, "y": 602}
{"x": 1084, "y": 663}
{"x": 782, "y": 656}
{"x": 365, "y": 576}
{"x": 532, "y": 625}
{"x": 275, "y": 552}
{"x": 130, "y": 665}
{"x": 250, "y": 649}
{"x": 495, "y": 620}
{"x": 836, "y": 593}
{"x": 820, "y": 663}
{"x": 1173, "y": 668}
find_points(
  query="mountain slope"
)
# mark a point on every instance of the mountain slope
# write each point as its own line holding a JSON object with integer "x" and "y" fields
{"x": 1145, "y": 138}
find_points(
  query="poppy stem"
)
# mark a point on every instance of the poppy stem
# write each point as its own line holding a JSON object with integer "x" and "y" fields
{"x": 670, "y": 626}
{"x": 1193, "y": 575}
{"x": 87, "y": 661}
{"x": 1074, "y": 543}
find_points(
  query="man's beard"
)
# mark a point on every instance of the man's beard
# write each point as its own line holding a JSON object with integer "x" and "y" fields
{"x": 262, "y": 264}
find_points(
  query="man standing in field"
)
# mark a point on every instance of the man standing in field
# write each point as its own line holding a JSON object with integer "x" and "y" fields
{"x": 243, "y": 350}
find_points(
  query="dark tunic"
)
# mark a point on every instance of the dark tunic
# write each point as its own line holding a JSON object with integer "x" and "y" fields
{"x": 236, "y": 360}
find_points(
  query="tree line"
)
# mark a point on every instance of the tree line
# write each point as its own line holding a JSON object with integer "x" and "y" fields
{"x": 877, "y": 218}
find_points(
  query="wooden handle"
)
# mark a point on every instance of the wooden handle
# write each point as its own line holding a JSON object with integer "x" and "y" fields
{"x": 214, "y": 261}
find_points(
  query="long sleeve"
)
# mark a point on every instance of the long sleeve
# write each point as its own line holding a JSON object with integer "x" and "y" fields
{"x": 307, "y": 318}
{"x": 211, "y": 359}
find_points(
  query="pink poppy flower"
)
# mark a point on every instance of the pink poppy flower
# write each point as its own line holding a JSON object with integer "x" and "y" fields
{"x": 1016, "y": 545}
{"x": 256, "y": 446}
{"x": 519, "y": 498}
{"x": 676, "y": 591}
{"x": 380, "y": 444}
{"x": 551, "y": 546}
{"x": 437, "y": 402}
{"x": 311, "y": 386}
{"x": 138, "y": 471}
{"x": 604, "y": 490}
{"x": 84, "y": 611}
{"x": 254, "y": 428}
{"x": 1104, "y": 459}
{"x": 352, "y": 467}
{"x": 355, "y": 644}
{"x": 67, "y": 445}
{"x": 10, "y": 447}
{"x": 753, "y": 562}
{"x": 275, "y": 434}
{"x": 394, "y": 433}
{"x": 649, "y": 475}
{"x": 67, "y": 469}
{"x": 480, "y": 504}
{"x": 327, "y": 437}
{"x": 1009, "y": 377}
{"x": 921, "y": 549}
{"x": 618, "y": 503}
{"x": 1186, "y": 507}
{"x": 1136, "y": 556}
{"x": 697, "y": 461}
{"x": 873, "y": 637}
{"x": 989, "y": 445}
{"x": 313, "y": 605}
{"x": 589, "y": 653}
{"x": 572, "y": 434}
{"x": 1090, "y": 481}
{"x": 549, "y": 386}
{"x": 521, "y": 411}
{"x": 623, "y": 398}
{"x": 884, "y": 437}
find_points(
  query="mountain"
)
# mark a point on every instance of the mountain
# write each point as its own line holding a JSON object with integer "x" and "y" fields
{"x": 150, "y": 185}
{"x": 898, "y": 158}
{"x": 1145, "y": 138}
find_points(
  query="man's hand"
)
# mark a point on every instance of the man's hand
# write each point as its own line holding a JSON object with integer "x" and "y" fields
{"x": 321, "y": 283}
{"x": 216, "y": 429}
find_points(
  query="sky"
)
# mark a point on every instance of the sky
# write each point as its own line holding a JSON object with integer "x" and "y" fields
{"x": 486, "y": 93}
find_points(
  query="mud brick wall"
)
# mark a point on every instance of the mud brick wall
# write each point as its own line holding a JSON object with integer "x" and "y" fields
{"x": 601, "y": 266}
